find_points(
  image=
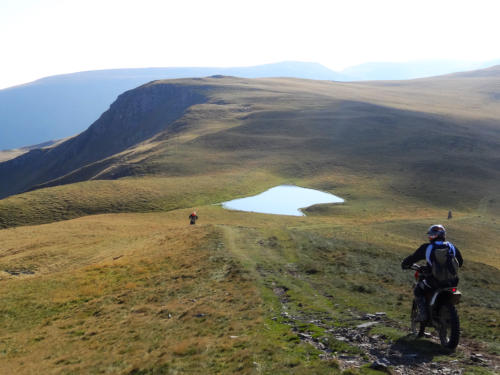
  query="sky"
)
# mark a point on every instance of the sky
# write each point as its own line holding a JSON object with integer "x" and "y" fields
{"x": 40, "y": 38}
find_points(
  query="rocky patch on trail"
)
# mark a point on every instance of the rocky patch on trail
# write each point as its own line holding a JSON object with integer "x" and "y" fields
{"x": 21, "y": 271}
{"x": 405, "y": 356}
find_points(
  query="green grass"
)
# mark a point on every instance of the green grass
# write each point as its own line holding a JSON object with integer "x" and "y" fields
{"x": 475, "y": 370}
{"x": 328, "y": 272}
{"x": 128, "y": 195}
{"x": 158, "y": 301}
{"x": 335, "y": 265}
{"x": 142, "y": 292}
{"x": 335, "y": 135}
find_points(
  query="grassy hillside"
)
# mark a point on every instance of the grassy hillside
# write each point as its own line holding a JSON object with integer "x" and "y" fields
{"x": 237, "y": 293}
{"x": 128, "y": 195}
{"x": 142, "y": 292}
{"x": 60, "y": 106}
{"x": 414, "y": 137}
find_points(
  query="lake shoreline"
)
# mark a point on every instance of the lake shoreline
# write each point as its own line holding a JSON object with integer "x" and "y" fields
{"x": 282, "y": 200}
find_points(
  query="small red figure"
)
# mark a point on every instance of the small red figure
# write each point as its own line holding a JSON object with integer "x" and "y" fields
{"x": 192, "y": 218}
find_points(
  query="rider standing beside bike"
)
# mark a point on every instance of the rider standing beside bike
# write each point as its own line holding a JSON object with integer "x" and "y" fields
{"x": 440, "y": 270}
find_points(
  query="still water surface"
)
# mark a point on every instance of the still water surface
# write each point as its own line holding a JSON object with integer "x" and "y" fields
{"x": 282, "y": 200}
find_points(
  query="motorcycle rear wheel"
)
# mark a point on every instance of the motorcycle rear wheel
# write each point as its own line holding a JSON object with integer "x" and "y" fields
{"x": 449, "y": 326}
{"x": 417, "y": 328}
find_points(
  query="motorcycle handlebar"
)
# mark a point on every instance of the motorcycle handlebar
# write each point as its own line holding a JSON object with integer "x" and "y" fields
{"x": 415, "y": 267}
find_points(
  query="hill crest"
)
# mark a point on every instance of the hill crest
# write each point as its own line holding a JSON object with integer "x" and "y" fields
{"x": 286, "y": 127}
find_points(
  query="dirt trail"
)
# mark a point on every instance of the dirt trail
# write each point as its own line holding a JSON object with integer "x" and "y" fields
{"x": 232, "y": 235}
{"x": 406, "y": 356}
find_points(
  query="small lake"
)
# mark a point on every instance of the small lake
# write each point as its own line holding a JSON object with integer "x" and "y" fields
{"x": 282, "y": 200}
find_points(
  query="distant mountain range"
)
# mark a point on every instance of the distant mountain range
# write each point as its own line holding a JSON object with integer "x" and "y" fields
{"x": 411, "y": 70}
{"x": 61, "y": 106}
{"x": 64, "y": 105}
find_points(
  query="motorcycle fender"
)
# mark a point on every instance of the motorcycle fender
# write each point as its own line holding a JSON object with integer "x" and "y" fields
{"x": 455, "y": 298}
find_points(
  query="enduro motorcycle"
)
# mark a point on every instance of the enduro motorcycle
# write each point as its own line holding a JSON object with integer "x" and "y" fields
{"x": 442, "y": 314}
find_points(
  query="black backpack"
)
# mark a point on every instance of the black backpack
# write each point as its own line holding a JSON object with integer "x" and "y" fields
{"x": 444, "y": 263}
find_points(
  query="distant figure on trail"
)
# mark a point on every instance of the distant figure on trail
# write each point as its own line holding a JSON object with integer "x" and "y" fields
{"x": 193, "y": 217}
{"x": 443, "y": 261}
{"x": 449, "y": 215}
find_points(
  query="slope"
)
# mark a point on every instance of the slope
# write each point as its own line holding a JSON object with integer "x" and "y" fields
{"x": 134, "y": 117}
{"x": 237, "y": 293}
{"x": 290, "y": 129}
{"x": 64, "y": 105}
{"x": 252, "y": 293}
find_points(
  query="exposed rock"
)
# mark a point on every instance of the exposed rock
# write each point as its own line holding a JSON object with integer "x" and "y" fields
{"x": 17, "y": 272}
{"x": 305, "y": 336}
{"x": 321, "y": 346}
{"x": 380, "y": 353}
{"x": 381, "y": 365}
{"x": 367, "y": 325}
{"x": 477, "y": 357}
{"x": 134, "y": 117}
{"x": 165, "y": 314}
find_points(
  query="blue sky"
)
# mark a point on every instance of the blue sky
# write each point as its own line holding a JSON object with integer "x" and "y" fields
{"x": 47, "y": 37}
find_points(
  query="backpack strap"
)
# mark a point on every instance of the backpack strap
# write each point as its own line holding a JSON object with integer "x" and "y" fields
{"x": 428, "y": 253}
{"x": 429, "y": 249}
{"x": 452, "y": 249}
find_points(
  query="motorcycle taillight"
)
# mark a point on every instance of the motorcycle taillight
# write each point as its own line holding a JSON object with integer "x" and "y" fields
{"x": 416, "y": 275}
{"x": 454, "y": 290}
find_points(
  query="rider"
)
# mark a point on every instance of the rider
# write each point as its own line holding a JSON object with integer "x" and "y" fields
{"x": 193, "y": 217}
{"x": 437, "y": 238}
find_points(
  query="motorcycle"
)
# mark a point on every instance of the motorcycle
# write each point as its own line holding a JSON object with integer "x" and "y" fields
{"x": 442, "y": 313}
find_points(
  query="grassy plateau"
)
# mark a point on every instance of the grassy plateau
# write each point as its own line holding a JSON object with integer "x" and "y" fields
{"x": 101, "y": 273}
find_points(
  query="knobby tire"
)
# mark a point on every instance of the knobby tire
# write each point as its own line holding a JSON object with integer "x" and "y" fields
{"x": 417, "y": 328}
{"x": 449, "y": 332}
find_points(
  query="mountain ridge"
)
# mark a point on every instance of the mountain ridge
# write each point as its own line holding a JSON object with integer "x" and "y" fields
{"x": 64, "y": 105}
{"x": 280, "y": 126}
{"x": 402, "y": 154}
{"x": 412, "y": 69}
{"x": 60, "y": 106}
{"x": 116, "y": 129}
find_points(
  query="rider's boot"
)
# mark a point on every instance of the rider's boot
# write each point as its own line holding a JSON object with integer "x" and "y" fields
{"x": 422, "y": 309}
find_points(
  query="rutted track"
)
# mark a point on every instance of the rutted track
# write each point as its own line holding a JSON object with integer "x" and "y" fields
{"x": 351, "y": 338}
{"x": 378, "y": 351}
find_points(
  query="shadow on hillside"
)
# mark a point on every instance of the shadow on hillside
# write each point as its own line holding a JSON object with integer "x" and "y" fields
{"x": 409, "y": 350}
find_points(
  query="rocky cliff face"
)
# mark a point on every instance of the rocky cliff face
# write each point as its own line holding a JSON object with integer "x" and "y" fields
{"x": 134, "y": 117}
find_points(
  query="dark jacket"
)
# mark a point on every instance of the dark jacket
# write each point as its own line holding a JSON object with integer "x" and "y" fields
{"x": 192, "y": 218}
{"x": 420, "y": 254}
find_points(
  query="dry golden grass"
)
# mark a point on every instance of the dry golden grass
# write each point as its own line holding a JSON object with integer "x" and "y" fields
{"x": 118, "y": 292}
{"x": 147, "y": 293}
{"x": 298, "y": 128}
{"x": 10, "y": 154}
{"x": 129, "y": 195}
